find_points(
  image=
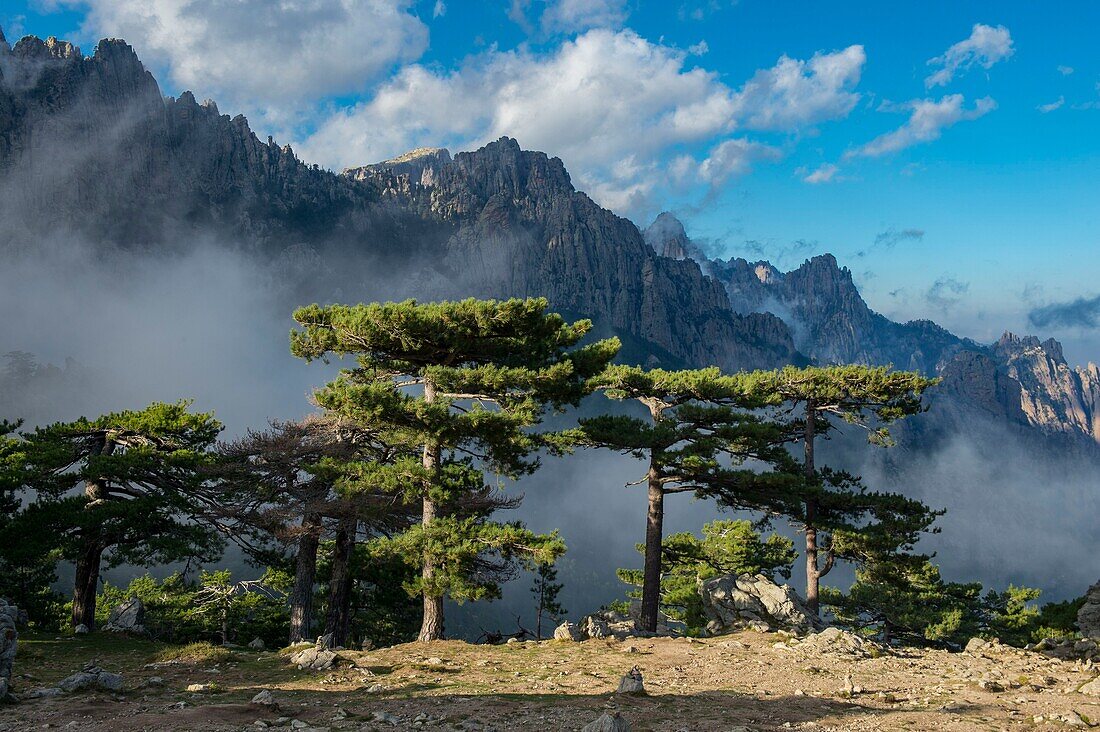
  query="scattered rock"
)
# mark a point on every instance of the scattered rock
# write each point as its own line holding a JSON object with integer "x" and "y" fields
{"x": 607, "y": 722}
{"x": 837, "y": 642}
{"x": 43, "y": 693}
{"x": 366, "y": 645}
{"x": 127, "y": 617}
{"x": 1092, "y": 688}
{"x": 91, "y": 677}
{"x": 200, "y": 688}
{"x": 385, "y": 717}
{"x": 631, "y": 683}
{"x": 82, "y": 629}
{"x": 733, "y": 603}
{"x": 257, "y": 644}
{"x": 265, "y": 699}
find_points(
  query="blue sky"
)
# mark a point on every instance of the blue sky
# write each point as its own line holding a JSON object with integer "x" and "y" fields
{"x": 946, "y": 152}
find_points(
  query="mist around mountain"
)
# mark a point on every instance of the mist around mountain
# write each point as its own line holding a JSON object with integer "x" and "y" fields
{"x": 161, "y": 245}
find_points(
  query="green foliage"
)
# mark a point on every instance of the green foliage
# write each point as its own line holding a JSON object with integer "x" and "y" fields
{"x": 1011, "y": 615}
{"x": 545, "y": 590}
{"x": 727, "y": 547}
{"x": 178, "y": 612}
{"x": 903, "y": 597}
{"x": 1058, "y": 619}
{"x": 129, "y": 482}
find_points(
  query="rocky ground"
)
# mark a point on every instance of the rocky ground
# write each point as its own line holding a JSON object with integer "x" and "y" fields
{"x": 744, "y": 681}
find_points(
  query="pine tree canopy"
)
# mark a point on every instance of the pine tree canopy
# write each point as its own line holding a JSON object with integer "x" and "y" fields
{"x": 870, "y": 397}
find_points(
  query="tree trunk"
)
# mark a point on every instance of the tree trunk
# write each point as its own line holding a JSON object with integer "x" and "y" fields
{"x": 86, "y": 584}
{"x": 538, "y": 616}
{"x": 431, "y": 626}
{"x": 651, "y": 574}
{"x": 813, "y": 575}
{"x": 305, "y": 570}
{"x": 338, "y": 617}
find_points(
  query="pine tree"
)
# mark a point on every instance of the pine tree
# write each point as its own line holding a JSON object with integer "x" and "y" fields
{"x": 286, "y": 489}
{"x": 545, "y": 590}
{"x": 869, "y": 398}
{"x": 460, "y": 381}
{"x": 127, "y": 486}
{"x": 903, "y": 597}
{"x": 700, "y": 428}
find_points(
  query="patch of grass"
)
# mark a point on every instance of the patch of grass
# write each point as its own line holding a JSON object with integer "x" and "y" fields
{"x": 195, "y": 653}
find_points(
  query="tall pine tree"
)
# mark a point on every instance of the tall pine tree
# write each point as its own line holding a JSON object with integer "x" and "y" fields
{"x": 700, "y": 428}
{"x": 463, "y": 382}
{"x": 870, "y": 398}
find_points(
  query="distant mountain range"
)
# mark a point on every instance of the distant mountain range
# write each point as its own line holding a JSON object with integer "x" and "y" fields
{"x": 91, "y": 150}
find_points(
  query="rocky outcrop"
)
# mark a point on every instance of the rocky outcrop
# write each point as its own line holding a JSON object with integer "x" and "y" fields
{"x": 9, "y": 644}
{"x": 1088, "y": 617}
{"x": 1053, "y": 396}
{"x": 753, "y": 601}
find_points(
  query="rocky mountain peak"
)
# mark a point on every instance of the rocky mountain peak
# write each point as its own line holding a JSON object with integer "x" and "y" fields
{"x": 34, "y": 48}
{"x": 667, "y": 237}
{"x": 419, "y": 166}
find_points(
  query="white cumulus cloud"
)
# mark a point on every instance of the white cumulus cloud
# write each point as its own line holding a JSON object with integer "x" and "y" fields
{"x": 927, "y": 121}
{"x": 613, "y": 105}
{"x": 261, "y": 56}
{"x": 986, "y": 46}
{"x": 571, "y": 16}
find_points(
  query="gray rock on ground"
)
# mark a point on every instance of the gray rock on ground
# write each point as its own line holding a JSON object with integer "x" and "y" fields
{"x": 1092, "y": 688}
{"x": 257, "y": 644}
{"x": 568, "y": 631}
{"x": 314, "y": 658}
{"x": 631, "y": 683}
{"x": 91, "y": 677}
{"x": 1088, "y": 617}
{"x": 837, "y": 642}
{"x": 265, "y": 699}
{"x": 127, "y": 617}
{"x": 607, "y": 722}
{"x": 82, "y": 629}
{"x": 9, "y": 643}
{"x": 753, "y": 601}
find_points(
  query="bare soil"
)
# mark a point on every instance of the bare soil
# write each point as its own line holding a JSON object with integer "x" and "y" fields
{"x": 748, "y": 681}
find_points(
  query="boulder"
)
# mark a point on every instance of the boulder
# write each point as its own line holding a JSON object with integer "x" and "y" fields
{"x": 127, "y": 617}
{"x": 1088, "y": 617}
{"x": 314, "y": 658}
{"x": 607, "y": 722}
{"x": 1092, "y": 688}
{"x": 82, "y": 629}
{"x": 265, "y": 699}
{"x": 568, "y": 631}
{"x": 631, "y": 683}
{"x": 735, "y": 603}
{"x": 837, "y": 642}
{"x": 9, "y": 642}
{"x": 91, "y": 677}
{"x": 256, "y": 644}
